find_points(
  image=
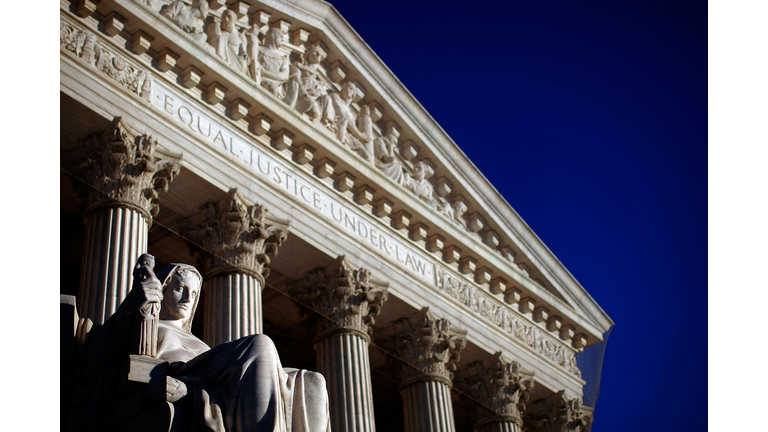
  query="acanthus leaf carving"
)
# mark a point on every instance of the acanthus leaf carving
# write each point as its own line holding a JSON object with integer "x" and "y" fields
{"x": 500, "y": 386}
{"x": 237, "y": 236}
{"x": 125, "y": 167}
{"x": 350, "y": 298}
{"x": 429, "y": 347}
{"x": 556, "y": 413}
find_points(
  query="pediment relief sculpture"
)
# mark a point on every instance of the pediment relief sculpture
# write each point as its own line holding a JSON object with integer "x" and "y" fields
{"x": 190, "y": 19}
{"x": 305, "y": 86}
{"x": 230, "y": 43}
{"x": 272, "y": 68}
{"x": 312, "y": 87}
{"x": 180, "y": 383}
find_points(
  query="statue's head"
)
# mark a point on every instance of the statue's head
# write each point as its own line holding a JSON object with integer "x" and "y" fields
{"x": 273, "y": 38}
{"x": 181, "y": 292}
{"x": 315, "y": 54}
{"x": 348, "y": 90}
{"x": 228, "y": 19}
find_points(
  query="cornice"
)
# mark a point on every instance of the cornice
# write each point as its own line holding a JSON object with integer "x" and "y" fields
{"x": 412, "y": 115}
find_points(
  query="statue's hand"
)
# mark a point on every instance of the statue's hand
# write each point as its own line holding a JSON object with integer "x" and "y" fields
{"x": 174, "y": 389}
{"x": 146, "y": 287}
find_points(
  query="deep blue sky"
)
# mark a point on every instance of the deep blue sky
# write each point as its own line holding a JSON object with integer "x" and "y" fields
{"x": 590, "y": 118}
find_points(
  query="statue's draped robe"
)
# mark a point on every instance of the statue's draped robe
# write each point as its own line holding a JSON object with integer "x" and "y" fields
{"x": 225, "y": 384}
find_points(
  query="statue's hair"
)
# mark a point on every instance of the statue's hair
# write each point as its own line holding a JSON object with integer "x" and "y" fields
{"x": 181, "y": 271}
{"x": 273, "y": 33}
{"x": 318, "y": 48}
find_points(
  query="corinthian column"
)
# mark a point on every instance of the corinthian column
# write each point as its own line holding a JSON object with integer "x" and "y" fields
{"x": 348, "y": 301}
{"x": 125, "y": 171}
{"x": 557, "y": 414}
{"x": 237, "y": 239}
{"x": 429, "y": 348}
{"x": 500, "y": 387}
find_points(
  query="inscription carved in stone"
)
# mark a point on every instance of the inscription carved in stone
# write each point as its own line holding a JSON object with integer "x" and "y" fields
{"x": 349, "y": 297}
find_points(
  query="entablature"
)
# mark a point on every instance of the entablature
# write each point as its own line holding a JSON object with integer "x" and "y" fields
{"x": 518, "y": 269}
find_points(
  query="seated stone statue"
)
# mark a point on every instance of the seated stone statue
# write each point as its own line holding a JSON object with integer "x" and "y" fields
{"x": 238, "y": 386}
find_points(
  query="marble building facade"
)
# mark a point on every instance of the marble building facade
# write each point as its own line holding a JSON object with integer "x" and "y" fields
{"x": 266, "y": 144}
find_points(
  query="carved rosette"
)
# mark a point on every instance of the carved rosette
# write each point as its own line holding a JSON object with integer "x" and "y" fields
{"x": 127, "y": 170}
{"x": 350, "y": 298}
{"x": 429, "y": 347}
{"x": 556, "y": 414}
{"x": 238, "y": 237}
{"x": 499, "y": 385}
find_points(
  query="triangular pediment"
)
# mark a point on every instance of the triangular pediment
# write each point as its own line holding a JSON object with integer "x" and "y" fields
{"x": 296, "y": 72}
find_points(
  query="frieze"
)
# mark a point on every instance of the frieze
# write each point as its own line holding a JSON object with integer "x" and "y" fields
{"x": 292, "y": 181}
{"x": 306, "y": 85}
{"x": 501, "y": 316}
{"x": 264, "y": 53}
{"x": 84, "y": 45}
{"x": 352, "y": 221}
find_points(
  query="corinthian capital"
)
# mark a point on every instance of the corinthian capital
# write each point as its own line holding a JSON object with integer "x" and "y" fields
{"x": 237, "y": 237}
{"x": 429, "y": 346}
{"x": 556, "y": 414}
{"x": 350, "y": 298}
{"x": 127, "y": 169}
{"x": 500, "y": 386}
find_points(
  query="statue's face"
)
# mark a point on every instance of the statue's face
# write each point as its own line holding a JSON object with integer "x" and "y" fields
{"x": 349, "y": 90}
{"x": 274, "y": 37}
{"x": 179, "y": 296}
{"x": 315, "y": 55}
{"x": 228, "y": 21}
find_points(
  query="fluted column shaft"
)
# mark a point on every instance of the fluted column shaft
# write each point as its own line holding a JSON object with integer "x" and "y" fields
{"x": 123, "y": 173}
{"x": 500, "y": 426}
{"x": 427, "y": 407}
{"x": 114, "y": 239}
{"x": 347, "y": 301}
{"x": 343, "y": 360}
{"x": 232, "y": 308}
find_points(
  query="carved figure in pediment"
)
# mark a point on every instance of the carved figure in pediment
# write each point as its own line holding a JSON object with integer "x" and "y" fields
{"x": 459, "y": 208}
{"x": 191, "y": 19}
{"x": 272, "y": 69}
{"x": 237, "y": 386}
{"x": 389, "y": 161}
{"x": 307, "y": 90}
{"x": 229, "y": 43}
{"x": 153, "y": 4}
{"x": 357, "y": 133}
{"x": 419, "y": 184}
